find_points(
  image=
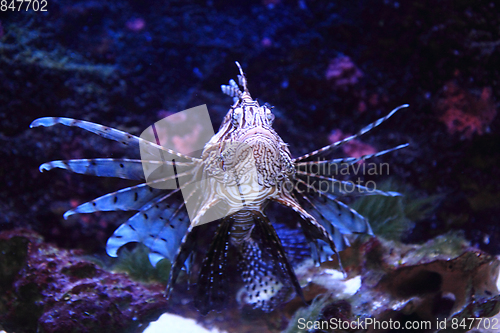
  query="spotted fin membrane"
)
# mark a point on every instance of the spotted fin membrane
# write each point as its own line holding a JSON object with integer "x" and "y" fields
{"x": 246, "y": 234}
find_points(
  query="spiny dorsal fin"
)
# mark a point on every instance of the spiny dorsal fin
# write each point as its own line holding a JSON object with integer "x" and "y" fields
{"x": 233, "y": 89}
{"x": 241, "y": 78}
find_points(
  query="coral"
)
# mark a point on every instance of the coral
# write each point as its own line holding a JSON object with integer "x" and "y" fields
{"x": 266, "y": 42}
{"x": 135, "y": 24}
{"x": 442, "y": 279}
{"x": 465, "y": 113}
{"x": 343, "y": 72}
{"x": 180, "y": 132}
{"x": 52, "y": 290}
{"x": 353, "y": 148}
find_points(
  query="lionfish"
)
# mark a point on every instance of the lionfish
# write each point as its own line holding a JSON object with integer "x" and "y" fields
{"x": 244, "y": 166}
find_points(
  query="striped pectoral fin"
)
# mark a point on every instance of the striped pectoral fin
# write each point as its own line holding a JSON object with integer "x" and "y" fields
{"x": 145, "y": 227}
{"x": 102, "y": 167}
{"x": 338, "y": 215}
{"x": 312, "y": 228}
{"x": 314, "y": 231}
{"x": 108, "y": 167}
{"x": 104, "y": 131}
{"x": 167, "y": 241}
{"x": 146, "y": 147}
{"x": 213, "y": 286}
{"x": 293, "y": 241}
{"x": 130, "y": 198}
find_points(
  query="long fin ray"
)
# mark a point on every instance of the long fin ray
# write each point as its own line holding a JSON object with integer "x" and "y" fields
{"x": 107, "y": 167}
{"x": 313, "y": 229}
{"x": 351, "y": 160}
{"x": 130, "y": 198}
{"x": 178, "y": 221}
{"x": 113, "y": 134}
{"x": 339, "y": 215}
{"x": 341, "y": 188}
{"x": 361, "y": 132}
{"x": 337, "y": 234}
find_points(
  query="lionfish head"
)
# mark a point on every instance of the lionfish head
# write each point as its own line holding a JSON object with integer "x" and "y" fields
{"x": 247, "y": 138}
{"x": 246, "y": 113}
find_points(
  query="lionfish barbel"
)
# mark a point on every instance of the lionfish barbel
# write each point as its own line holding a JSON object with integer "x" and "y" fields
{"x": 247, "y": 162}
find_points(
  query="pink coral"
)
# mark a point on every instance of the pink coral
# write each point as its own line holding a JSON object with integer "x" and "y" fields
{"x": 463, "y": 112}
{"x": 184, "y": 143}
{"x": 136, "y": 24}
{"x": 353, "y": 148}
{"x": 187, "y": 143}
{"x": 266, "y": 42}
{"x": 343, "y": 72}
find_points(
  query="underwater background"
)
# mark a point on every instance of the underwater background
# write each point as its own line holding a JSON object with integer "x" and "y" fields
{"x": 329, "y": 68}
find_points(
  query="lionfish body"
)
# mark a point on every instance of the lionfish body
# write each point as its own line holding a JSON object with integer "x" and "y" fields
{"x": 243, "y": 167}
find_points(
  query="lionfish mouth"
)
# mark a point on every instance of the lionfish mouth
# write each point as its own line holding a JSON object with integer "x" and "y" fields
{"x": 244, "y": 233}
{"x": 256, "y": 131}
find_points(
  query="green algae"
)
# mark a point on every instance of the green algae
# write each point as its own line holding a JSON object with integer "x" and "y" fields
{"x": 136, "y": 264}
{"x": 391, "y": 217}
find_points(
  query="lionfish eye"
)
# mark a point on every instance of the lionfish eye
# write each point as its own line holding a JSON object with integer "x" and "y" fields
{"x": 269, "y": 115}
{"x": 237, "y": 113}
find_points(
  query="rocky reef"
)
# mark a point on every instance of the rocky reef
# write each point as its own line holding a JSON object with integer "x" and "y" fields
{"x": 47, "y": 289}
{"x": 428, "y": 288}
